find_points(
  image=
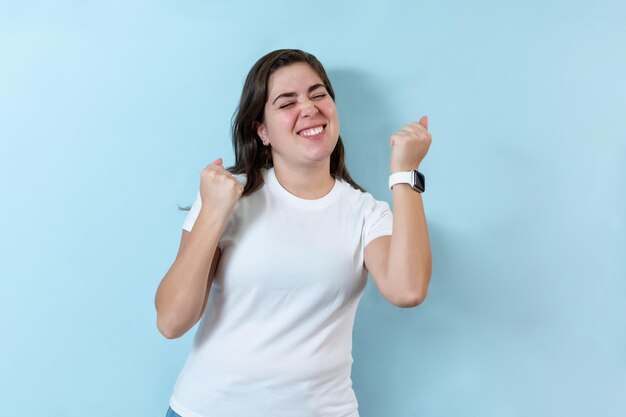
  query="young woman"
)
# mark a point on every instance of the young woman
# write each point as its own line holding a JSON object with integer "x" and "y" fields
{"x": 275, "y": 252}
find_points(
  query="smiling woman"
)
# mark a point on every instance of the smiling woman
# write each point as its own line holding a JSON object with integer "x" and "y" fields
{"x": 263, "y": 96}
{"x": 275, "y": 253}
{"x": 300, "y": 122}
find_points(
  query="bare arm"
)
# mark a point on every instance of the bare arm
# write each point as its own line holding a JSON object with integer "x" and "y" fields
{"x": 401, "y": 264}
{"x": 182, "y": 294}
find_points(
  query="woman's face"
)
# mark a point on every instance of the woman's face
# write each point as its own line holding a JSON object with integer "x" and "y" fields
{"x": 300, "y": 119}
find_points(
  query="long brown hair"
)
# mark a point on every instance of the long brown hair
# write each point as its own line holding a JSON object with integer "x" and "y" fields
{"x": 251, "y": 156}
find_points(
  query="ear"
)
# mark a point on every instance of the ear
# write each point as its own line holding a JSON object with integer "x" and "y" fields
{"x": 261, "y": 131}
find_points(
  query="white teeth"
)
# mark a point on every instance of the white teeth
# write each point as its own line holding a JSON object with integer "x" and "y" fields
{"x": 312, "y": 132}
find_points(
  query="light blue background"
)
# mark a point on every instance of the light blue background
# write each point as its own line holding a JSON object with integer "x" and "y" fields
{"x": 109, "y": 110}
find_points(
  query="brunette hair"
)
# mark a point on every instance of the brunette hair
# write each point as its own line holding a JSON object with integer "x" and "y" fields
{"x": 251, "y": 156}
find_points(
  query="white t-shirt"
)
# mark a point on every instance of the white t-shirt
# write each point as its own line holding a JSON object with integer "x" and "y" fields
{"x": 275, "y": 339}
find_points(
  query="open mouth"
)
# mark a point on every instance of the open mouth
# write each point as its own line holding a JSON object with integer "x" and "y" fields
{"x": 312, "y": 131}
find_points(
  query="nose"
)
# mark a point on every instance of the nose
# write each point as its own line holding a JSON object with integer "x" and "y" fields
{"x": 308, "y": 109}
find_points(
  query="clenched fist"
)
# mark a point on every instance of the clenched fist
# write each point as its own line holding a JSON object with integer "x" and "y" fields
{"x": 409, "y": 146}
{"x": 219, "y": 190}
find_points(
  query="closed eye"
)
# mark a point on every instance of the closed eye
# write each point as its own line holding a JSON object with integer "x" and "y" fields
{"x": 315, "y": 97}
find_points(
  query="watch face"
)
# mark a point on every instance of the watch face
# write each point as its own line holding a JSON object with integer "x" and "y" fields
{"x": 419, "y": 181}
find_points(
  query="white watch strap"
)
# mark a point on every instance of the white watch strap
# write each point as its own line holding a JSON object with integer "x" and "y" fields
{"x": 400, "y": 178}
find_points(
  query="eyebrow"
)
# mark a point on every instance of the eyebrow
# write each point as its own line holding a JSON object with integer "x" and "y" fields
{"x": 292, "y": 94}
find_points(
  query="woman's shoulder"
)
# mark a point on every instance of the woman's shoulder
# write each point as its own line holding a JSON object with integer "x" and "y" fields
{"x": 359, "y": 197}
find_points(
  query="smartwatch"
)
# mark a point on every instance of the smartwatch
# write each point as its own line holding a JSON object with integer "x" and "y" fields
{"x": 414, "y": 178}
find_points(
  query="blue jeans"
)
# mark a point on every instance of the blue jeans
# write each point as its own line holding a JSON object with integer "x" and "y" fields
{"x": 171, "y": 413}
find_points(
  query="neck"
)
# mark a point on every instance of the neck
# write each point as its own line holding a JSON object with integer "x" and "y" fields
{"x": 307, "y": 182}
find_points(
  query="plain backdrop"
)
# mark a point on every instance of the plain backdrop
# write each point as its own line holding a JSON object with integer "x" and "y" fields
{"x": 109, "y": 110}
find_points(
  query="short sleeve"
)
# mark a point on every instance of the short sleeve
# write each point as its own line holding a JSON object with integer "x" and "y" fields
{"x": 193, "y": 214}
{"x": 378, "y": 221}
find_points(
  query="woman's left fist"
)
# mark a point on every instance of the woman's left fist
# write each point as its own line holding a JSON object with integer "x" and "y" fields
{"x": 409, "y": 146}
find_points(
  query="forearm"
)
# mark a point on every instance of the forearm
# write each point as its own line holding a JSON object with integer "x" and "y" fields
{"x": 180, "y": 295}
{"x": 410, "y": 264}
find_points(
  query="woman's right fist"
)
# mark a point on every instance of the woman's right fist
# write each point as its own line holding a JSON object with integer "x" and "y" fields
{"x": 219, "y": 190}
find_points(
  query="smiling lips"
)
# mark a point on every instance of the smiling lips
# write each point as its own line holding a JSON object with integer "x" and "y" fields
{"x": 312, "y": 131}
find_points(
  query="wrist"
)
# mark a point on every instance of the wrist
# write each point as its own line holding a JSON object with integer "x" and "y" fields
{"x": 412, "y": 178}
{"x": 403, "y": 187}
{"x": 212, "y": 216}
